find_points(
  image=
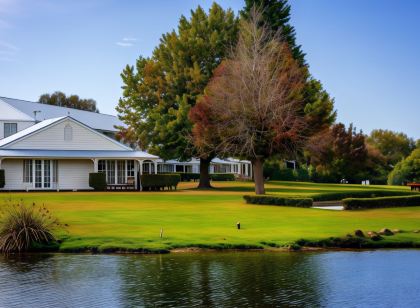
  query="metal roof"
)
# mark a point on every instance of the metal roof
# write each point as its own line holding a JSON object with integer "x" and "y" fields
{"x": 28, "y": 131}
{"x": 95, "y": 120}
{"x": 75, "y": 154}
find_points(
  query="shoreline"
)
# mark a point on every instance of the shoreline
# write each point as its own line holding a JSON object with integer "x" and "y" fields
{"x": 199, "y": 250}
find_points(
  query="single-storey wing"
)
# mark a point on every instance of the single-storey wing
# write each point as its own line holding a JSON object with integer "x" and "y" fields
{"x": 59, "y": 154}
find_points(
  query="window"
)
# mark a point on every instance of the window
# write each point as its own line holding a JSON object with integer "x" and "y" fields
{"x": 27, "y": 171}
{"x": 10, "y": 129}
{"x": 45, "y": 172}
{"x": 130, "y": 168}
{"x": 121, "y": 171}
{"x": 117, "y": 171}
{"x": 68, "y": 133}
{"x": 110, "y": 171}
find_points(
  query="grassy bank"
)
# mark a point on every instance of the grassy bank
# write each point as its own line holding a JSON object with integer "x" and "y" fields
{"x": 194, "y": 218}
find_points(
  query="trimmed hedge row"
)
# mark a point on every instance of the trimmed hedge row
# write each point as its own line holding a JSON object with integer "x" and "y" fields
{"x": 159, "y": 181}
{"x": 222, "y": 177}
{"x": 97, "y": 181}
{"x": 2, "y": 178}
{"x": 189, "y": 176}
{"x": 383, "y": 202}
{"x": 273, "y": 200}
{"x": 360, "y": 194}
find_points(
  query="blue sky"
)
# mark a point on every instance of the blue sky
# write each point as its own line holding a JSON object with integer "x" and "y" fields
{"x": 366, "y": 53}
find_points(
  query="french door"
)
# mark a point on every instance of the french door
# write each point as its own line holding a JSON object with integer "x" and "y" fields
{"x": 43, "y": 173}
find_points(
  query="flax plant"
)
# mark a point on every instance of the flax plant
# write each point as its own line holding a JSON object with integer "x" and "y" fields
{"x": 24, "y": 226}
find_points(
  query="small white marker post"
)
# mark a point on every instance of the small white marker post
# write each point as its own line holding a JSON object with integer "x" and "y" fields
{"x": 161, "y": 232}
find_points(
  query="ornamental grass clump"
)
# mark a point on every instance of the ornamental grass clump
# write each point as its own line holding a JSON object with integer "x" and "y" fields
{"x": 23, "y": 227}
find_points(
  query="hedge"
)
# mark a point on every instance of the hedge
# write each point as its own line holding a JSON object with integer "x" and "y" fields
{"x": 188, "y": 176}
{"x": 222, "y": 177}
{"x": 273, "y": 200}
{"x": 159, "y": 181}
{"x": 360, "y": 194}
{"x": 97, "y": 181}
{"x": 2, "y": 178}
{"x": 383, "y": 202}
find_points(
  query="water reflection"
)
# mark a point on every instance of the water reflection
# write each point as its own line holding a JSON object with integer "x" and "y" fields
{"x": 349, "y": 279}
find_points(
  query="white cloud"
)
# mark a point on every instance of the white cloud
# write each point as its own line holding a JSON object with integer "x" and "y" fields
{"x": 129, "y": 39}
{"x": 124, "y": 44}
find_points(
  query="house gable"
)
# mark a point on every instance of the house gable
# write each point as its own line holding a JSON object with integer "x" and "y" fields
{"x": 66, "y": 134}
{"x": 9, "y": 113}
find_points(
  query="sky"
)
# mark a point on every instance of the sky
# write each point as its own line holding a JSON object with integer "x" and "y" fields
{"x": 366, "y": 53}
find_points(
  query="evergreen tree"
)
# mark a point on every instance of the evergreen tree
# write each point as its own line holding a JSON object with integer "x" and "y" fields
{"x": 159, "y": 92}
{"x": 276, "y": 14}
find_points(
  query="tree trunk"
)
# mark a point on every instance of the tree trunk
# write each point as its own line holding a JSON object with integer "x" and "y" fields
{"x": 258, "y": 176}
{"x": 204, "y": 173}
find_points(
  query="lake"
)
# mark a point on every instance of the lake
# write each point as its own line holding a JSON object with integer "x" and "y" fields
{"x": 388, "y": 278}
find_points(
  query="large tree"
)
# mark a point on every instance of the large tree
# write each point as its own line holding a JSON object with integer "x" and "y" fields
{"x": 159, "y": 92}
{"x": 253, "y": 105}
{"x": 318, "y": 105}
{"x": 392, "y": 145}
{"x": 340, "y": 153}
{"x": 58, "y": 98}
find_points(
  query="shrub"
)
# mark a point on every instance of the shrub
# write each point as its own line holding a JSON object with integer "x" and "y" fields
{"x": 274, "y": 200}
{"x": 407, "y": 170}
{"x": 368, "y": 193}
{"x": 2, "y": 178}
{"x": 301, "y": 175}
{"x": 97, "y": 181}
{"x": 383, "y": 202}
{"x": 23, "y": 227}
{"x": 222, "y": 177}
{"x": 159, "y": 181}
{"x": 188, "y": 176}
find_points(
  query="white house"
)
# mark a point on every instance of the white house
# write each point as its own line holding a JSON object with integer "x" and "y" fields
{"x": 44, "y": 147}
{"x": 240, "y": 168}
{"x": 60, "y": 153}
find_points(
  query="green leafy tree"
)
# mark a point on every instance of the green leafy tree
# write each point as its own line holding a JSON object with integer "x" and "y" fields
{"x": 392, "y": 145}
{"x": 58, "y": 98}
{"x": 159, "y": 92}
{"x": 407, "y": 170}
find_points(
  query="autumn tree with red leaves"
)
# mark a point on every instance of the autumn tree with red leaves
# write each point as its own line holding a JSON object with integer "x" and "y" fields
{"x": 252, "y": 107}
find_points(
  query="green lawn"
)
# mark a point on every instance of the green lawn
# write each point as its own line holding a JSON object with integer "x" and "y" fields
{"x": 191, "y": 217}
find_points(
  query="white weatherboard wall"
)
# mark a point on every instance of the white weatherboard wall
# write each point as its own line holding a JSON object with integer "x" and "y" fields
{"x": 21, "y": 125}
{"x": 13, "y": 170}
{"x": 74, "y": 174}
{"x": 52, "y": 138}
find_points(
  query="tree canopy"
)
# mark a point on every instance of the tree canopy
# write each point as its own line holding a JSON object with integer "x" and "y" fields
{"x": 253, "y": 105}
{"x": 392, "y": 145}
{"x": 407, "y": 170}
{"x": 58, "y": 98}
{"x": 276, "y": 15}
{"x": 159, "y": 92}
{"x": 339, "y": 153}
